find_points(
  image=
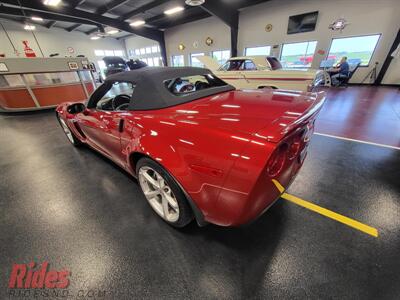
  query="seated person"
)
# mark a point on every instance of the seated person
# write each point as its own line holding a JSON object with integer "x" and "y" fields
{"x": 340, "y": 71}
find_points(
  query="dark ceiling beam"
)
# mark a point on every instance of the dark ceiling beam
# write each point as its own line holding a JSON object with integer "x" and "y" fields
{"x": 83, "y": 15}
{"x": 73, "y": 27}
{"x": 183, "y": 20}
{"x": 28, "y": 13}
{"x": 50, "y": 24}
{"x": 141, "y": 9}
{"x": 89, "y": 32}
{"x": 170, "y": 18}
{"x": 110, "y": 6}
{"x": 125, "y": 36}
{"x": 228, "y": 15}
{"x": 75, "y": 3}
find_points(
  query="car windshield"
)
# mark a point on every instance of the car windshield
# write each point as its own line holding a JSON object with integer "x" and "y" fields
{"x": 190, "y": 84}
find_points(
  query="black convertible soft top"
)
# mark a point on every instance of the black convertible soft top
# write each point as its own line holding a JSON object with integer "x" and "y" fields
{"x": 150, "y": 91}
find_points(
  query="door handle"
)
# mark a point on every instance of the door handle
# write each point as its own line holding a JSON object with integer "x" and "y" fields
{"x": 121, "y": 125}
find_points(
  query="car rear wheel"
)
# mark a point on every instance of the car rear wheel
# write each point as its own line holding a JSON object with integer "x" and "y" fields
{"x": 164, "y": 195}
{"x": 70, "y": 135}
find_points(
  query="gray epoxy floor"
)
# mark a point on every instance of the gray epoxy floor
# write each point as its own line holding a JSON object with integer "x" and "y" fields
{"x": 77, "y": 210}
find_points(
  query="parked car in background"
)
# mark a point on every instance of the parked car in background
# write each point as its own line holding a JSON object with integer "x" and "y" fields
{"x": 199, "y": 148}
{"x": 114, "y": 64}
{"x": 254, "y": 72}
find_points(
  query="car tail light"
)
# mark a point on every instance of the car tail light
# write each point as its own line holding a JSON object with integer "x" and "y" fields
{"x": 295, "y": 145}
{"x": 277, "y": 160}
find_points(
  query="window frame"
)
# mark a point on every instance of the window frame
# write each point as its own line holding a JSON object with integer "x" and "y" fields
{"x": 221, "y": 50}
{"x": 354, "y": 36}
{"x": 281, "y": 50}
{"x": 172, "y": 60}
{"x": 98, "y": 52}
{"x": 199, "y": 54}
{"x": 245, "y": 49}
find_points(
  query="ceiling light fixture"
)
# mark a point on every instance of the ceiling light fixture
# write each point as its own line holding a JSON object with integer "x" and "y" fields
{"x": 52, "y": 2}
{"x": 37, "y": 19}
{"x": 95, "y": 37}
{"x": 29, "y": 27}
{"x": 112, "y": 31}
{"x": 137, "y": 23}
{"x": 173, "y": 10}
{"x": 194, "y": 2}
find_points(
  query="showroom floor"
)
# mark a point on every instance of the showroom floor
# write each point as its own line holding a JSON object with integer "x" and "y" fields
{"x": 78, "y": 211}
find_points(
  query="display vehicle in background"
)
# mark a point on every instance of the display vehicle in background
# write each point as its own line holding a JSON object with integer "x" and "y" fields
{"x": 259, "y": 71}
{"x": 114, "y": 64}
{"x": 198, "y": 147}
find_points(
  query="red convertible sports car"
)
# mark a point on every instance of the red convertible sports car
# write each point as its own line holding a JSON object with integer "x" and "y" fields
{"x": 198, "y": 147}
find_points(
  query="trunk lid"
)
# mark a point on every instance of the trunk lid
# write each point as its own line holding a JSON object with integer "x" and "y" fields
{"x": 209, "y": 62}
{"x": 268, "y": 113}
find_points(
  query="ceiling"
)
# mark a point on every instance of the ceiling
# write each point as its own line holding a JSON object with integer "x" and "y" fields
{"x": 91, "y": 16}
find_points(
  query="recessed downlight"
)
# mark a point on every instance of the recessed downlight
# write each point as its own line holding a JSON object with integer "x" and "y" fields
{"x": 174, "y": 10}
{"x": 194, "y": 2}
{"x": 112, "y": 31}
{"x": 52, "y": 2}
{"x": 39, "y": 19}
{"x": 137, "y": 23}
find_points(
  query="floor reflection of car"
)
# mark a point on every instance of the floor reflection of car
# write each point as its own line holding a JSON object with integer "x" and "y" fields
{"x": 199, "y": 148}
{"x": 263, "y": 71}
{"x": 114, "y": 64}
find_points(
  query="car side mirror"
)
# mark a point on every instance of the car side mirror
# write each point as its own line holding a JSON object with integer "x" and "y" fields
{"x": 76, "y": 108}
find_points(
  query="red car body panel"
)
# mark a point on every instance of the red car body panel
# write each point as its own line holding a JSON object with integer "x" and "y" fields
{"x": 217, "y": 148}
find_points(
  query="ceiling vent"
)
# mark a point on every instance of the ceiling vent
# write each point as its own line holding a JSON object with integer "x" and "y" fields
{"x": 194, "y": 2}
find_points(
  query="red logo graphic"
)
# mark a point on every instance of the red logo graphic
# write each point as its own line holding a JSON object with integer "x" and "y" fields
{"x": 24, "y": 276}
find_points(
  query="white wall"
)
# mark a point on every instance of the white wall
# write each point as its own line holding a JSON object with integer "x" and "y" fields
{"x": 365, "y": 17}
{"x": 198, "y": 31}
{"x": 54, "y": 40}
{"x": 392, "y": 75}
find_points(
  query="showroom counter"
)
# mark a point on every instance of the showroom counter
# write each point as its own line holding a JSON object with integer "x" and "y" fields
{"x": 39, "y": 83}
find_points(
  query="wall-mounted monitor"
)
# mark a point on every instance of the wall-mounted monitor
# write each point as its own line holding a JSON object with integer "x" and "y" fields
{"x": 302, "y": 23}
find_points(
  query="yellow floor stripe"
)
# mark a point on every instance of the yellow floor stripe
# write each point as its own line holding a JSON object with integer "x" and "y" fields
{"x": 326, "y": 212}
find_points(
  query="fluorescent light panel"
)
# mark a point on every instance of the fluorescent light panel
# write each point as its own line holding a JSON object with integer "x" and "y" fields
{"x": 94, "y": 37}
{"x": 173, "y": 10}
{"x": 36, "y": 19}
{"x": 137, "y": 23}
{"x": 52, "y": 2}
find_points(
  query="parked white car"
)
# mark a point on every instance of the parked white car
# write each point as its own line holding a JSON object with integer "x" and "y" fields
{"x": 253, "y": 72}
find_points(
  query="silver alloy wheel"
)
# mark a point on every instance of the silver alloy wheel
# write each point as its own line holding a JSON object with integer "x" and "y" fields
{"x": 159, "y": 194}
{"x": 67, "y": 131}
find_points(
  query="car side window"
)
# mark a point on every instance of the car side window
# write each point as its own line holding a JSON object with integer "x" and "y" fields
{"x": 117, "y": 97}
{"x": 185, "y": 85}
{"x": 248, "y": 65}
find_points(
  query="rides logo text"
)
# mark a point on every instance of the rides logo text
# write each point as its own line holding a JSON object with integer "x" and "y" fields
{"x": 36, "y": 276}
